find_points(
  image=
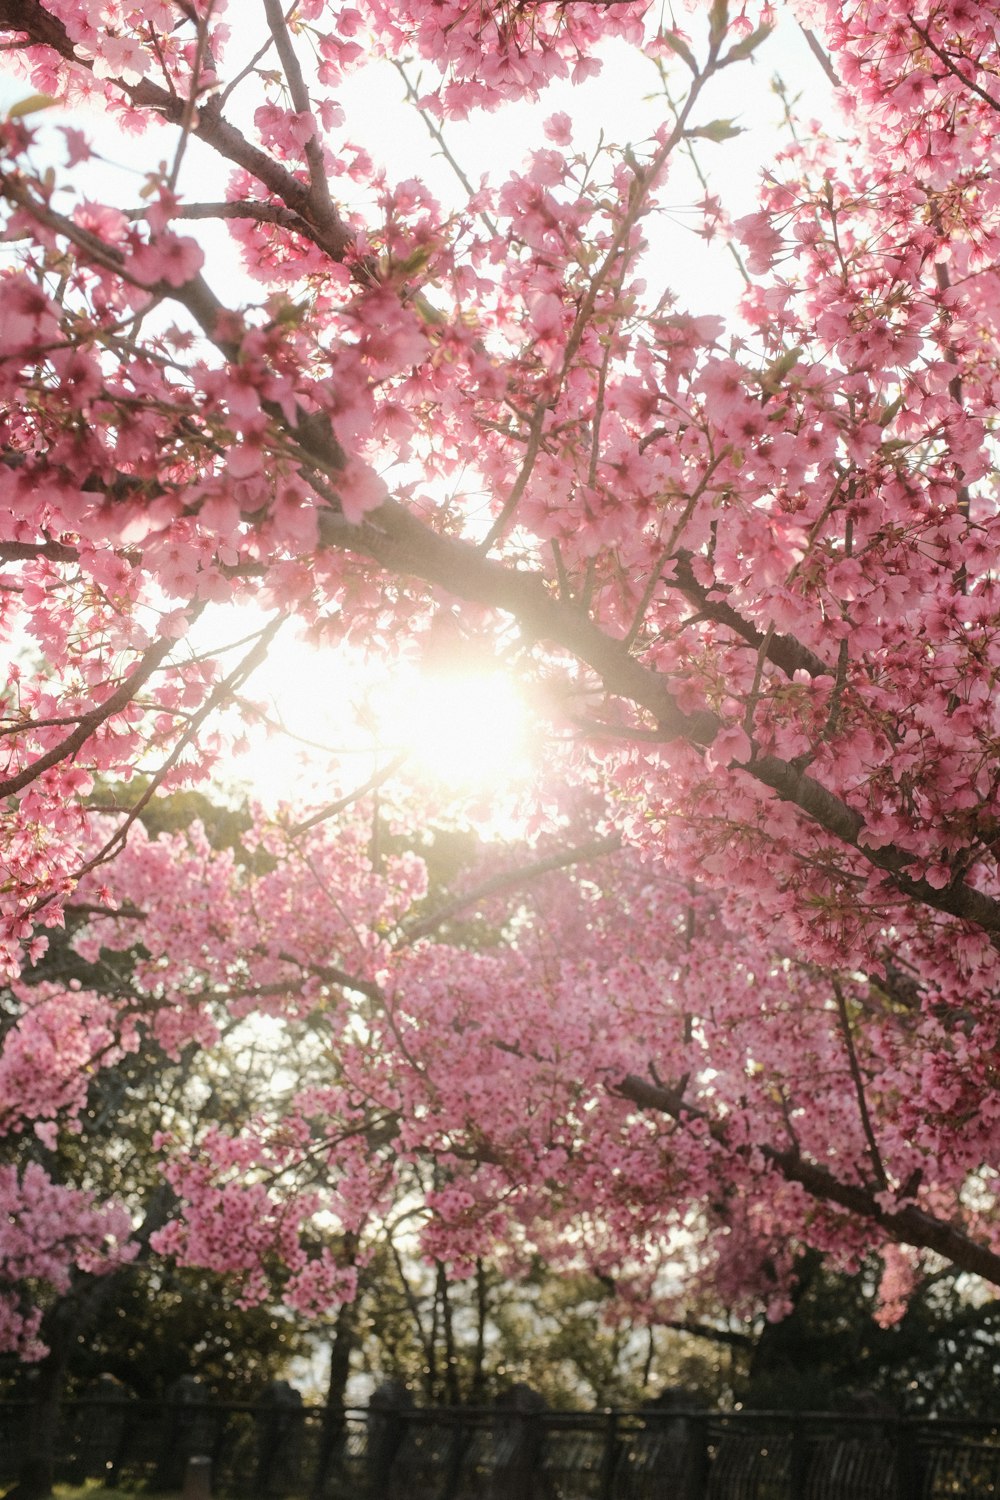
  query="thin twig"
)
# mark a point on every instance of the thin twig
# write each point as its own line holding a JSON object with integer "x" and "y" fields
{"x": 859, "y": 1086}
{"x": 512, "y": 501}
{"x": 642, "y": 182}
{"x": 245, "y": 72}
{"x": 379, "y": 778}
{"x": 437, "y": 134}
{"x": 224, "y": 689}
{"x": 191, "y": 102}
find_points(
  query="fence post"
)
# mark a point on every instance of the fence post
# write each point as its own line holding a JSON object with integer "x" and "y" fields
{"x": 198, "y": 1478}
{"x": 799, "y": 1462}
{"x": 330, "y": 1449}
{"x": 279, "y": 1422}
{"x": 182, "y": 1435}
{"x": 456, "y": 1456}
{"x": 674, "y": 1414}
{"x": 518, "y": 1476}
{"x": 387, "y": 1411}
{"x": 696, "y": 1457}
{"x": 909, "y": 1475}
{"x": 610, "y": 1460}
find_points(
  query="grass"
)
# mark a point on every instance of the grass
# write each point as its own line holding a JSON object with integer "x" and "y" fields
{"x": 94, "y": 1490}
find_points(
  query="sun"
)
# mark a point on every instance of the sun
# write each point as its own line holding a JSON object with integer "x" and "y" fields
{"x": 332, "y": 716}
{"x": 466, "y": 729}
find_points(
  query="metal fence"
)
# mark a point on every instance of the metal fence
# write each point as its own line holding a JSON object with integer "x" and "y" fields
{"x": 278, "y": 1449}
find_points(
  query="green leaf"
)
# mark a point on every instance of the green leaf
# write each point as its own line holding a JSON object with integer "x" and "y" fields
{"x": 678, "y": 45}
{"x": 772, "y": 377}
{"x": 414, "y": 263}
{"x": 31, "y": 105}
{"x": 719, "y": 130}
{"x": 426, "y": 311}
{"x": 749, "y": 44}
{"x": 718, "y": 20}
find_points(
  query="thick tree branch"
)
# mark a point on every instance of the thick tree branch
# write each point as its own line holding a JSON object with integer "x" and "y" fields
{"x": 783, "y": 650}
{"x": 402, "y": 543}
{"x": 730, "y": 1337}
{"x": 28, "y": 551}
{"x": 829, "y": 812}
{"x": 908, "y": 1224}
{"x": 40, "y": 28}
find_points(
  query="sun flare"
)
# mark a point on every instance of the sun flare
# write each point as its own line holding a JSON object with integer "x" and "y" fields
{"x": 459, "y": 731}
{"x": 467, "y": 730}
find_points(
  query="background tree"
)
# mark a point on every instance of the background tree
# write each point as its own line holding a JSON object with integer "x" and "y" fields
{"x": 834, "y": 1350}
{"x": 467, "y": 1342}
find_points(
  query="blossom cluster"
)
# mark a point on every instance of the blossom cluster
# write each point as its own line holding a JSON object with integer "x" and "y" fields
{"x": 758, "y": 555}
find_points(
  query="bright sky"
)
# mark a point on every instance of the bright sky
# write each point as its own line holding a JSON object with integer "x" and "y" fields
{"x": 465, "y": 732}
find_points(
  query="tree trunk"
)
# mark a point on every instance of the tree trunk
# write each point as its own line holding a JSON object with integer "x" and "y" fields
{"x": 477, "y": 1384}
{"x": 38, "y": 1469}
{"x": 334, "y": 1422}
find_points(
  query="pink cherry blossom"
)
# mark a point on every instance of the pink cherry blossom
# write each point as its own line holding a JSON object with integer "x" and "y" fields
{"x": 744, "y": 565}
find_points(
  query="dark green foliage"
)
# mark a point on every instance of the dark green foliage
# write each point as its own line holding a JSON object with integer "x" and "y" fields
{"x": 174, "y": 811}
{"x": 830, "y": 1354}
{"x": 168, "y": 1323}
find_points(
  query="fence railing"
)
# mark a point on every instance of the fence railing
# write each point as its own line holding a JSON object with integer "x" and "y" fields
{"x": 278, "y": 1449}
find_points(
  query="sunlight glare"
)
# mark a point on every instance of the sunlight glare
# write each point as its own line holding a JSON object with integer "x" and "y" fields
{"x": 466, "y": 730}
{"x": 461, "y": 731}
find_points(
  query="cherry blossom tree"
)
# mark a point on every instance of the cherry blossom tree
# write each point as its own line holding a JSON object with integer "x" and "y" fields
{"x": 750, "y": 568}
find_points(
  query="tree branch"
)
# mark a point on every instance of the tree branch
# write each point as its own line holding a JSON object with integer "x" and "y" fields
{"x": 41, "y": 28}
{"x": 509, "y": 880}
{"x": 402, "y": 543}
{"x": 783, "y": 650}
{"x": 956, "y": 72}
{"x": 859, "y": 1086}
{"x": 119, "y": 700}
{"x": 908, "y": 1225}
{"x": 377, "y": 779}
{"x": 323, "y": 211}
{"x": 821, "y": 55}
{"x": 28, "y": 551}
